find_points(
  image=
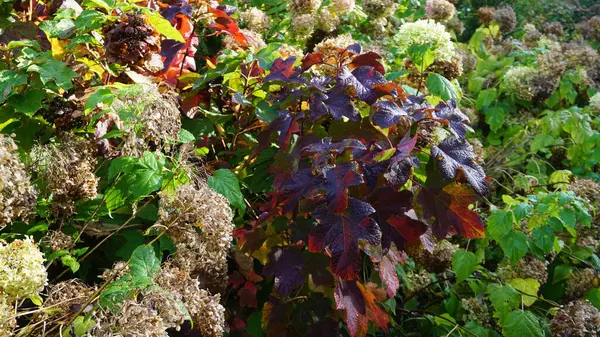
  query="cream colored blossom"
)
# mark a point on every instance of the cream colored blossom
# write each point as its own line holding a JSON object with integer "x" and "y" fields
{"x": 22, "y": 271}
{"x": 426, "y": 32}
{"x": 256, "y": 20}
{"x": 518, "y": 81}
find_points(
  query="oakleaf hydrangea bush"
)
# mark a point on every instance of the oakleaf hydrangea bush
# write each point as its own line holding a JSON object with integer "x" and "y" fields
{"x": 299, "y": 168}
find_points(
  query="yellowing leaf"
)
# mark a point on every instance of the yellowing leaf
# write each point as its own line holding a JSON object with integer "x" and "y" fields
{"x": 164, "y": 27}
{"x": 58, "y": 48}
{"x": 528, "y": 286}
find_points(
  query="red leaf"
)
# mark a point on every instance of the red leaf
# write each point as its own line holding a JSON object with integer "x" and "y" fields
{"x": 368, "y": 59}
{"x": 310, "y": 60}
{"x": 450, "y": 207}
{"x": 341, "y": 233}
{"x": 284, "y": 70}
{"x": 387, "y": 270}
{"x": 247, "y": 295}
{"x": 225, "y": 23}
{"x": 359, "y": 304}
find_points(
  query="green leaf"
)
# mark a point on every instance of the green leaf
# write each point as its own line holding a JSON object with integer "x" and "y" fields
{"x": 71, "y": 262}
{"x": 562, "y": 272}
{"x": 485, "y": 98}
{"x": 543, "y": 238}
{"x": 560, "y": 179}
{"x": 24, "y": 43}
{"x": 10, "y": 79}
{"x": 504, "y": 298}
{"x": 440, "y": 86}
{"x": 522, "y": 323}
{"x": 108, "y": 5}
{"x": 226, "y": 183}
{"x": 463, "y": 264}
{"x": 514, "y": 246}
{"x": 421, "y": 55}
{"x": 143, "y": 262}
{"x": 61, "y": 29}
{"x": 528, "y": 286}
{"x": 499, "y": 224}
{"x": 28, "y": 102}
{"x": 164, "y": 27}
{"x": 494, "y": 116}
{"x": 102, "y": 96}
{"x": 541, "y": 141}
{"x": 185, "y": 136}
{"x": 593, "y": 295}
{"x": 147, "y": 176}
{"x": 89, "y": 20}
{"x": 55, "y": 71}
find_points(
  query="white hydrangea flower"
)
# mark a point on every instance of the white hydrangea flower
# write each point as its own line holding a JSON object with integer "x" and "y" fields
{"x": 22, "y": 271}
{"x": 595, "y": 101}
{"x": 517, "y": 81}
{"x": 426, "y": 32}
{"x": 256, "y": 20}
{"x": 7, "y": 319}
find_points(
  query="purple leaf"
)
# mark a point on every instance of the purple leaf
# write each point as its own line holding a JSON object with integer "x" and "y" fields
{"x": 301, "y": 185}
{"x": 284, "y": 71}
{"x": 449, "y": 114}
{"x": 362, "y": 80}
{"x": 341, "y": 233}
{"x": 399, "y": 172}
{"x": 286, "y": 264}
{"x": 454, "y": 155}
{"x": 387, "y": 113}
{"x": 286, "y": 125}
{"x": 338, "y": 179}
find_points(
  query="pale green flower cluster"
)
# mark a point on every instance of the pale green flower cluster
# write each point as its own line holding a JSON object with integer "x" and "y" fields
{"x": 426, "y": 32}
{"x": 595, "y": 101}
{"x": 7, "y": 318}
{"x": 22, "y": 271}
{"x": 517, "y": 81}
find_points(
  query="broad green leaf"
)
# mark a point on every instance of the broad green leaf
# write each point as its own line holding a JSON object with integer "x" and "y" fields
{"x": 421, "y": 55}
{"x": 463, "y": 264}
{"x": 104, "y": 4}
{"x": 143, "y": 262}
{"x": 28, "y": 102}
{"x": 560, "y": 179}
{"x": 61, "y": 29}
{"x": 562, "y": 272}
{"x": 164, "y": 27}
{"x": 9, "y": 79}
{"x": 147, "y": 176}
{"x": 593, "y": 295}
{"x": 529, "y": 286}
{"x": 541, "y": 141}
{"x": 494, "y": 116}
{"x": 514, "y": 246}
{"x": 102, "y": 96}
{"x": 522, "y": 323}
{"x": 504, "y": 298}
{"x": 89, "y": 20}
{"x": 55, "y": 71}
{"x": 226, "y": 183}
{"x": 521, "y": 210}
{"x": 543, "y": 238}
{"x": 185, "y": 136}
{"x": 440, "y": 86}
{"x": 485, "y": 98}
{"x": 499, "y": 224}
{"x": 71, "y": 262}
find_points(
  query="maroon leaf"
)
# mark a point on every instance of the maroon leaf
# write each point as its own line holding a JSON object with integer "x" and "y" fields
{"x": 387, "y": 113}
{"x": 362, "y": 80}
{"x": 396, "y": 227}
{"x": 449, "y": 206}
{"x": 341, "y": 233}
{"x": 454, "y": 155}
{"x": 321, "y": 152}
{"x": 310, "y": 60}
{"x": 317, "y": 266}
{"x": 324, "y": 328}
{"x": 286, "y": 264}
{"x": 359, "y": 303}
{"x": 368, "y": 59}
{"x": 404, "y": 148}
{"x": 387, "y": 270}
{"x": 286, "y": 125}
{"x": 338, "y": 179}
{"x": 399, "y": 172}
{"x": 301, "y": 185}
{"x": 284, "y": 71}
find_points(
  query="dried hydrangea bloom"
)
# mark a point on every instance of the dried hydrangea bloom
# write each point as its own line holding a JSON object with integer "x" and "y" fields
{"x": 580, "y": 282}
{"x": 22, "y": 271}
{"x": 303, "y": 26}
{"x": 131, "y": 40}
{"x": 7, "y": 317}
{"x": 477, "y": 311}
{"x": 554, "y": 28}
{"x": 527, "y": 267}
{"x": 577, "y": 319}
{"x": 69, "y": 170}
{"x": 379, "y": 8}
{"x": 343, "y": 6}
{"x": 329, "y": 48}
{"x": 440, "y": 10}
{"x": 63, "y": 297}
{"x": 426, "y": 32}
{"x": 590, "y": 29}
{"x": 517, "y": 81}
{"x": 119, "y": 269}
{"x": 532, "y": 35}
{"x": 467, "y": 58}
{"x": 455, "y": 25}
{"x": 204, "y": 252}
{"x": 286, "y": 50}
{"x": 207, "y": 314}
{"x": 156, "y": 123}
{"x": 506, "y": 18}
{"x": 418, "y": 281}
{"x": 326, "y": 20}
{"x": 437, "y": 260}
{"x": 304, "y": 6}
{"x": 57, "y": 240}
{"x": 486, "y": 15}
{"x": 256, "y": 20}
{"x": 17, "y": 196}
{"x": 255, "y": 40}
{"x": 377, "y": 28}
{"x": 134, "y": 319}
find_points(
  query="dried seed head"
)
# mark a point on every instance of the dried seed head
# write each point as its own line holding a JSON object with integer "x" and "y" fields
{"x": 304, "y": 6}
{"x": 440, "y": 10}
{"x": 506, "y": 18}
{"x": 580, "y": 282}
{"x": 131, "y": 40}
{"x": 17, "y": 196}
{"x": 57, "y": 240}
{"x": 577, "y": 319}
{"x": 477, "y": 311}
{"x": 63, "y": 297}
{"x": 256, "y": 20}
